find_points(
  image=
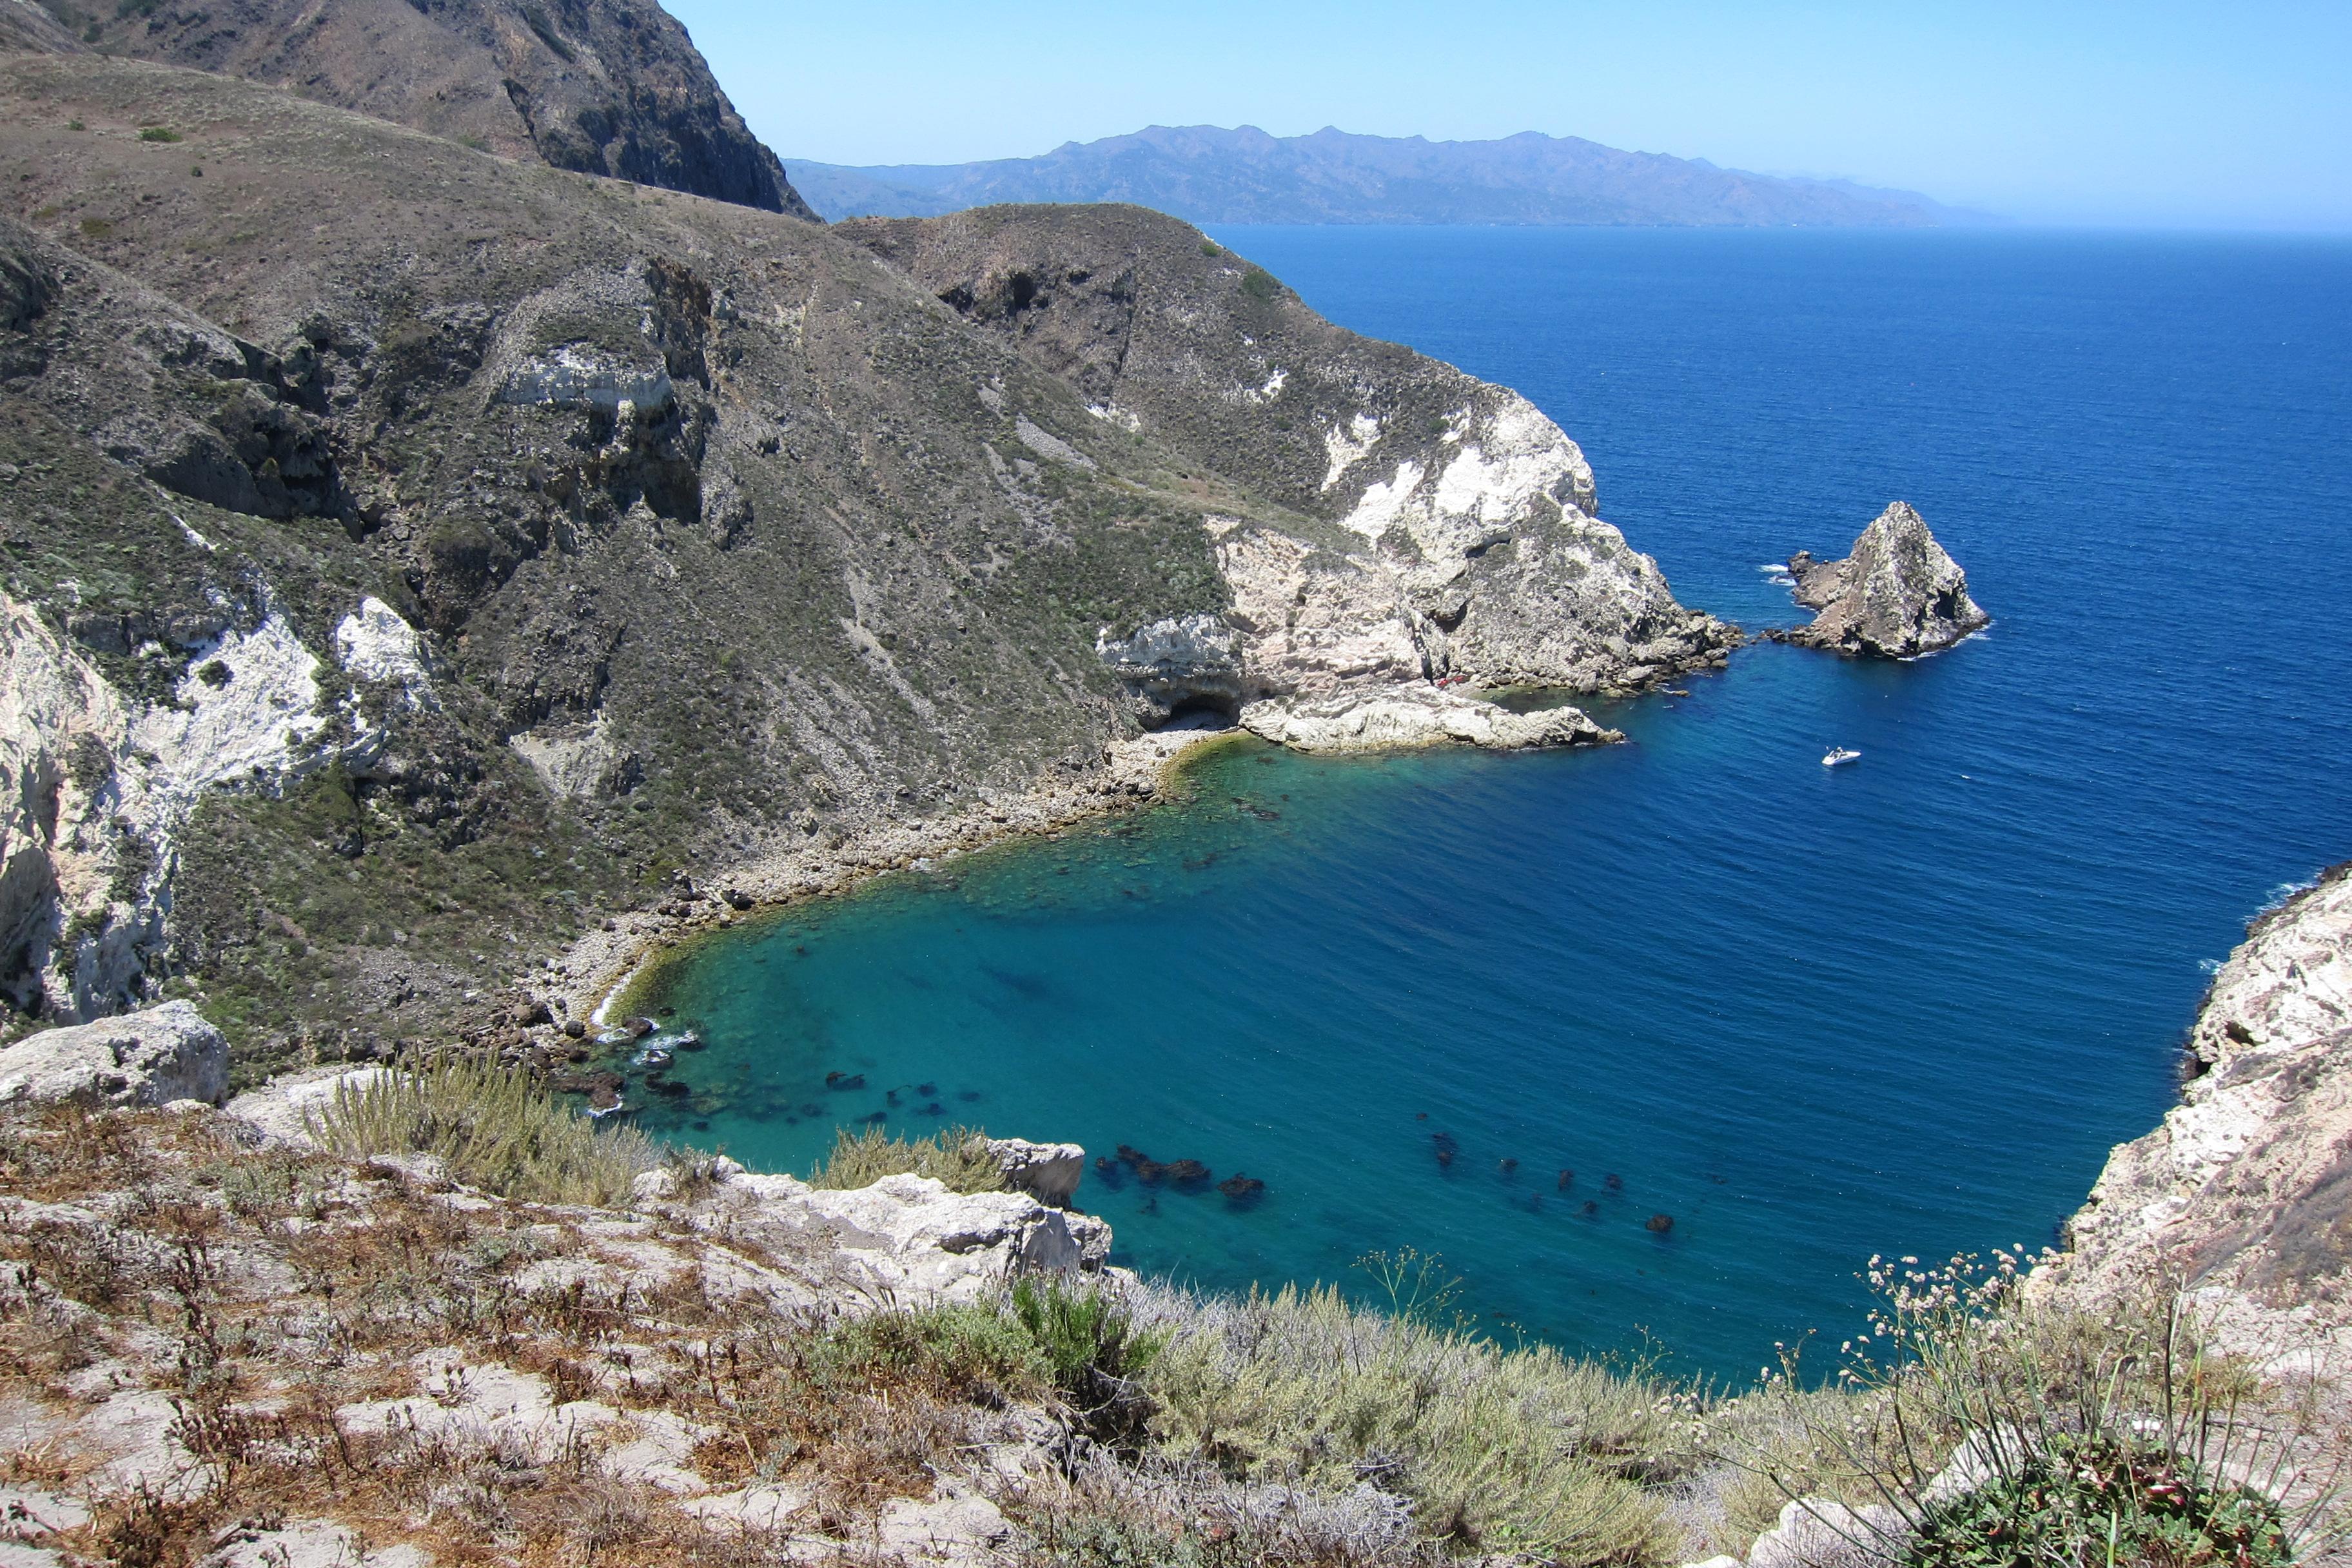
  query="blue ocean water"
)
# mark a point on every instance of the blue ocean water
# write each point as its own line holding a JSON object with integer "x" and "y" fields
{"x": 1904, "y": 1006}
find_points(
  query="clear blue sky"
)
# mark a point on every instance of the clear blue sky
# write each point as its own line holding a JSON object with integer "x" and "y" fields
{"x": 2152, "y": 112}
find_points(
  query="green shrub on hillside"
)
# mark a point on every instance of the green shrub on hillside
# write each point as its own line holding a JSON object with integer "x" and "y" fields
{"x": 2007, "y": 1433}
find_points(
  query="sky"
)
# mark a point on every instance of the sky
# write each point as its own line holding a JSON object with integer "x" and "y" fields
{"x": 2153, "y": 113}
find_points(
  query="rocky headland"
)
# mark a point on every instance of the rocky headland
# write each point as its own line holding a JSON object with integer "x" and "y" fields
{"x": 388, "y": 614}
{"x": 1897, "y": 594}
{"x": 602, "y": 87}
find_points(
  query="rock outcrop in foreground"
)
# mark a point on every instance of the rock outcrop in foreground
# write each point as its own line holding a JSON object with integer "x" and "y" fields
{"x": 155, "y": 1057}
{"x": 366, "y": 1364}
{"x": 2245, "y": 1192}
{"x": 1897, "y": 596}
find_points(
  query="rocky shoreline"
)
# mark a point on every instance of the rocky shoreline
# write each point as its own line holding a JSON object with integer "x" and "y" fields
{"x": 2241, "y": 1196}
{"x": 590, "y": 980}
{"x": 603, "y": 963}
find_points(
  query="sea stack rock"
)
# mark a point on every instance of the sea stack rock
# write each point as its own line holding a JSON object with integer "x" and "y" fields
{"x": 1897, "y": 596}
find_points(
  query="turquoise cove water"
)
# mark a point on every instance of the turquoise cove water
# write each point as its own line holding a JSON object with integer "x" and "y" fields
{"x": 1904, "y": 1006}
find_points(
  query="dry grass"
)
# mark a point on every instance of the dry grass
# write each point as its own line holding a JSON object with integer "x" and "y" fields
{"x": 956, "y": 1155}
{"x": 491, "y": 1127}
{"x": 1519, "y": 1451}
{"x": 266, "y": 1289}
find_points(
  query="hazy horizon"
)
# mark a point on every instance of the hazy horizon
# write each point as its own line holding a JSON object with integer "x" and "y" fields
{"x": 2159, "y": 116}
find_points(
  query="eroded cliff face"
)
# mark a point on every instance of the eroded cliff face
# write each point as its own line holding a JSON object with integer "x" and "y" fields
{"x": 1439, "y": 529}
{"x": 602, "y": 87}
{"x": 2244, "y": 1193}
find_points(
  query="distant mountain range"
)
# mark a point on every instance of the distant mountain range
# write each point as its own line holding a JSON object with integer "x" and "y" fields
{"x": 1205, "y": 174}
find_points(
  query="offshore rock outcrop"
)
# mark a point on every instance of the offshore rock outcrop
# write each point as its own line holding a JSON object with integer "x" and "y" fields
{"x": 1896, "y": 595}
{"x": 2244, "y": 1193}
{"x": 1392, "y": 718}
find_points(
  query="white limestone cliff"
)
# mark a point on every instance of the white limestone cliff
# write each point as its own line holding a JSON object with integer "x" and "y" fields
{"x": 2242, "y": 1194}
{"x": 95, "y": 787}
{"x": 1470, "y": 559}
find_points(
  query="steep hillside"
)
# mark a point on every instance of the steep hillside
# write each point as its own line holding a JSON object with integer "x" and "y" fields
{"x": 1454, "y": 529}
{"x": 415, "y": 558}
{"x": 1206, "y": 175}
{"x": 602, "y": 87}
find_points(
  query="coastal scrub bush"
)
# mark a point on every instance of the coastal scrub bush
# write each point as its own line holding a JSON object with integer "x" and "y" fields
{"x": 956, "y": 1155}
{"x": 492, "y": 1127}
{"x": 1087, "y": 1341}
{"x": 1514, "y": 1451}
{"x": 1996, "y": 1430}
{"x": 968, "y": 1352}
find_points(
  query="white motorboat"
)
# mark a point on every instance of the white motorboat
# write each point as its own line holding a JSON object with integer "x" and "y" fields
{"x": 1838, "y": 756}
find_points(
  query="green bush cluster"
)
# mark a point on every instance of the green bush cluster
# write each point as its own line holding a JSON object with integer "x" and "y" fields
{"x": 2098, "y": 1500}
{"x": 2007, "y": 1432}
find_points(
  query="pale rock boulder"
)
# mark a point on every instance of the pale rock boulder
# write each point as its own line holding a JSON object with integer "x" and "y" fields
{"x": 918, "y": 1239}
{"x": 952, "y": 1529}
{"x": 285, "y": 1108}
{"x": 1403, "y": 717}
{"x": 905, "y": 1237}
{"x": 148, "y": 1058}
{"x": 306, "y": 1543}
{"x": 1050, "y": 1173}
{"x": 1816, "y": 1534}
{"x": 1897, "y": 596}
{"x": 490, "y": 1407}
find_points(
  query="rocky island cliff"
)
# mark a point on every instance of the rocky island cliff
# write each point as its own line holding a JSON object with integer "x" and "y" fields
{"x": 1897, "y": 594}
